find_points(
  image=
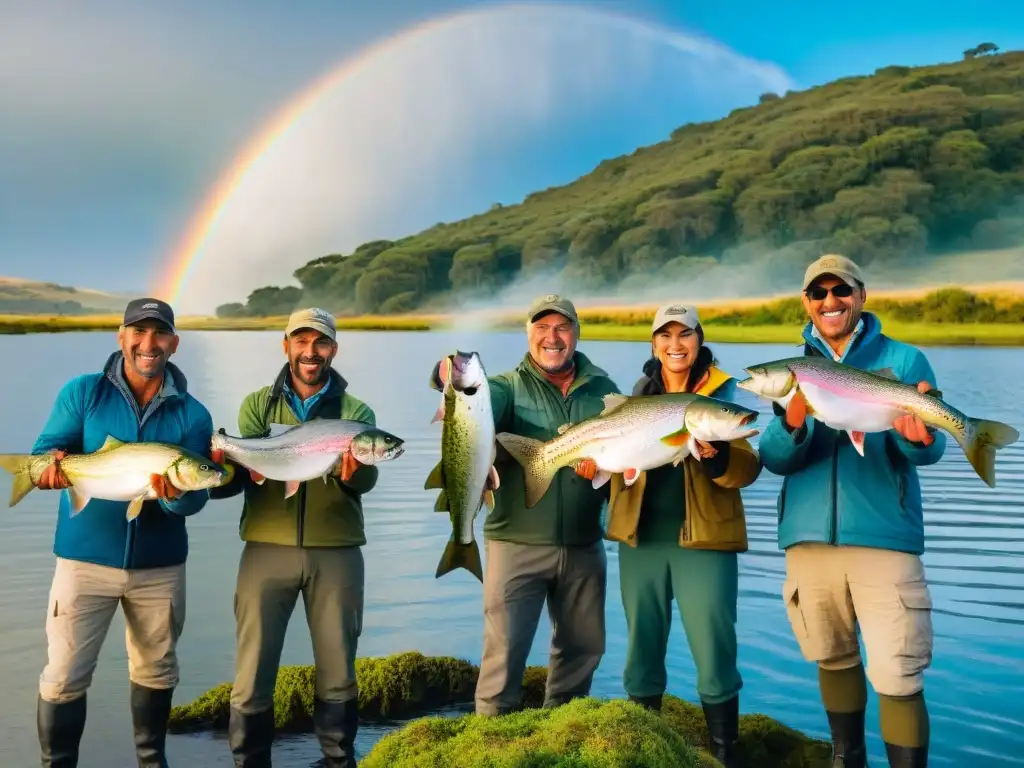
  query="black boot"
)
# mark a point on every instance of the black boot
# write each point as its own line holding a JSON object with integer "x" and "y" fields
{"x": 60, "y": 728}
{"x": 648, "y": 702}
{"x": 848, "y": 750}
{"x": 558, "y": 699}
{"x": 907, "y": 757}
{"x": 151, "y": 709}
{"x": 335, "y": 725}
{"x": 724, "y": 731}
{"x": 250, "y": 738}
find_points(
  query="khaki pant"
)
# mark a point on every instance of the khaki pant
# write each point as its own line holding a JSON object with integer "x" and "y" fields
{"x": 517, "y": 580}
{"x": 830, "y": 590}
{"x": 83, "y": 599}
{"x": 270, "y": 579}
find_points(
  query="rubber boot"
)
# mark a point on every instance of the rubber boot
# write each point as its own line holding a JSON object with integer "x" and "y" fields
{"x": 250, "y": 738}
{"x": 336, "y": 724}
{"x": 558, "y": 699}
{"x": 151, "y": 709}
{"x": 652, "y": 703}
{"x": 60, "y": 728}
{"x": 848, "y": 749}
{"x": 724, "y": 731}
{"x": 907, "y": 757}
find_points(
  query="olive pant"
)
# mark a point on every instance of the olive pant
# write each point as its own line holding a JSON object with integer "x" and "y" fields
{"x": 270, "y": 579}
{"x": 704, "y": 585}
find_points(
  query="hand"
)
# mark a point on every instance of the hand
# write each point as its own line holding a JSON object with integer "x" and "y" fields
{"x": 706, "y": 450}
{"x": 911, "y": 427}
{"x": 796, "y": 411}
{"x": 218, "y": 456}
{"x": 586, "y": 468}
{"x": 164, "y": 488}
{"x": 347, "y": 466}
{"x": 53, "y": 477}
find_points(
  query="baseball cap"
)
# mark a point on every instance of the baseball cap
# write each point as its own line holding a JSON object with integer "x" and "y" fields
{"x": 675, "y": 313}
{"x": 552, "y": 303}
{"x": 148, "y": 309}
{"x": 834, "y": 264}
{"x": 313, "y": 318}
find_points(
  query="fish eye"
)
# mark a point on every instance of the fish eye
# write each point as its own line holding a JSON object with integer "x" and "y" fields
{"x": 204, "y": 467}
{"x": 470, "y": 391}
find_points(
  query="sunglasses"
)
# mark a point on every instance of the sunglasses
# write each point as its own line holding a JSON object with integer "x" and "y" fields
{"x": 841, "y": 291}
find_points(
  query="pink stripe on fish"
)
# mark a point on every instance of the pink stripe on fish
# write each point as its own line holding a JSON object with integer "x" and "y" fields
{"x": 835, "y": 385}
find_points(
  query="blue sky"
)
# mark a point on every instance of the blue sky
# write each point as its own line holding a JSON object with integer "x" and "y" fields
{"x": 115, "y": 122}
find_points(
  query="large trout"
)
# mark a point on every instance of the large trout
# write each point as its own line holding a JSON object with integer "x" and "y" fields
{"x": 465, "y": 474}
{"x": 847, "y": 398}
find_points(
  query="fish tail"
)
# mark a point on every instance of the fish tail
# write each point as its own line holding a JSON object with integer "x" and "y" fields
{"x": 980, "y": 440}
{"x": 529, "y": 454}
{"x": 20, "y": 467}
{"x": 458, "y": 555}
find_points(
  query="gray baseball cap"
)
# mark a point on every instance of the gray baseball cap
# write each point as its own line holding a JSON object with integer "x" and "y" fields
{"x": 675, "y": 313}
{"x": 834, "y": 264}
{"x": 552, "y": 303}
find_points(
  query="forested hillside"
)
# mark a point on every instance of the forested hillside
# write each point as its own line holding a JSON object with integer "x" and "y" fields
{"x": 902, "y": 163}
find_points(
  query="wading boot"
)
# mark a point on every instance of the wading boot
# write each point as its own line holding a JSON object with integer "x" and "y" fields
{"x": 150, "y": 710}
{"x": 251, "y": 737}
{"x": 336, "y": 724}
{"x": 60, "y": 728}
{"x": 724, "y": 731}
{"x": 848, "y": 750}
{"x": 652, "y": 703}
{"x": 907, "y": 757}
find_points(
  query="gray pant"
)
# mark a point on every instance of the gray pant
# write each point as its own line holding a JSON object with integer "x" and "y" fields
{"x": 517, "y": 580}
{"x": 270, "y": 578}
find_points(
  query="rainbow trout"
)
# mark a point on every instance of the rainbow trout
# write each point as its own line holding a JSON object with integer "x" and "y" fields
{"x": 465, "y": 474}
{"x": 116, "y": 472}
{"x": 630, "y": 435}
{"x": 855, "y": 401}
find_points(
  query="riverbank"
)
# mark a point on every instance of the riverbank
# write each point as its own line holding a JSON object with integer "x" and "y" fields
{"x": 605, "y": 733}
{"x": 945, "y": 316}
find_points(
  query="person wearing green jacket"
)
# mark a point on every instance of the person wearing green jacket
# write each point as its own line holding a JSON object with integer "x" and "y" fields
{"x": 553, "y": 552}
{"x": 309, "y": 544}
{"x": 679, "y": 530}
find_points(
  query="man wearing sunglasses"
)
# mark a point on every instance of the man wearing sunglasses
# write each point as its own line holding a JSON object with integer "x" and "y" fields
{"x": 852, "y": 530}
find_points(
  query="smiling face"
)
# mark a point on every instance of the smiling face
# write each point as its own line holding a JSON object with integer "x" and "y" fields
{"x": 309, "y": 355}
{"x": 834, "y": 307}
{"x": 147, "y": 346}
{"x": 552, "y": 342}
{"x": 676, "y": 347}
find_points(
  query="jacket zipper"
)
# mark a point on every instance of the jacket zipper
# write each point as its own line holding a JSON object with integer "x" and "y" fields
{"x": 834, "y": 537}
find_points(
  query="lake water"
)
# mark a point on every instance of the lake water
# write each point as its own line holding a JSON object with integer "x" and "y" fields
{"x": 974, "y": 560}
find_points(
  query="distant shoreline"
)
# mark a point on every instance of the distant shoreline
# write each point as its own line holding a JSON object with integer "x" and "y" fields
{"x": 747, "y": 320}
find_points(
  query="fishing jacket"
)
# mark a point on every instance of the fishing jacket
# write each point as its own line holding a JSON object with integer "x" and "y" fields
{"x": 830, "y": 494}
{"x": 319, "y": 514}
{"x": 525, "y": 402}
{"x": 88, "y": 409}
{"x": 703, "y": 496}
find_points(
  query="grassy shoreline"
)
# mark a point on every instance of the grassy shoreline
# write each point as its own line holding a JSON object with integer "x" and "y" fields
{"x": 989, "y": 316}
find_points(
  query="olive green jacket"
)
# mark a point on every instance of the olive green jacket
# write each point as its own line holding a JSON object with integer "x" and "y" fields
{"x": 320, "y": 514}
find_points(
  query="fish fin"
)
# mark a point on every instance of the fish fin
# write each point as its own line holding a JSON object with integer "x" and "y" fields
{"x": 19, "y": 465}
{"x": 489, "y": 499}
{"x": 493, "y": 481}
{"x": 630, "y": 476}
{"x": 442, "y": 505}
{"x": 678, "y": 458}
{"x": 936, "y": 393}
{"x": 692, "y": 448}
{"x": 678, "y": 439}
{"x": 273, "y": 430}
{"x": 291, "y": 487}
{"x": 980, "y": 439}
{"x": 110, "y": 444}
{"x": 259, "y": 480}
{"x": 435, "y": 479}
{"x": 886, "y": 373}
{"x": 857, "y": 438}
{"x": 564, "y": 428}
{"x": 529, "y": 453}
{"x": 438, "y": 414}
{"x": 134, "y": 508}
{"x": 600, "y": 478}
{"x": 612, "y": 401}
{"x": 457, "y": 555}
{"x": 79, "y": 499}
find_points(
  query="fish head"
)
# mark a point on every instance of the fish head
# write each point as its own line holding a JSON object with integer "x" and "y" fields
{"x": 773, "y": 382}
{"x": 191, "y": 472}
{"x": 373, "y": 446}
{"x": 467, "y": 374}
{"x": 709, "y": 420}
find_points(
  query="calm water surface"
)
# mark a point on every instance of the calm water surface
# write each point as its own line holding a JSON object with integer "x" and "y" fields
{"x": 974, "y": 560}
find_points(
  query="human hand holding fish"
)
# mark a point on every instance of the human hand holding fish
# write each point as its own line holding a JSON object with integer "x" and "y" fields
{"x": 586, "y": 468}
{"x": 218, "y": 456}
{"x": 164, "y": 488}
{"x": 910, "y": 426}
{"x": 53, "y": 478}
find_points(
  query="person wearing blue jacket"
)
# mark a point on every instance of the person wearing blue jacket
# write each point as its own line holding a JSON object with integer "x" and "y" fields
{"x": 103, "y": 559}
{"x": 852, "y": 530}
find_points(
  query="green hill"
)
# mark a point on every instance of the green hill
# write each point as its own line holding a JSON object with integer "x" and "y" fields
{"x": 896, "y": 167}
{"x": 27, "y": 297}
